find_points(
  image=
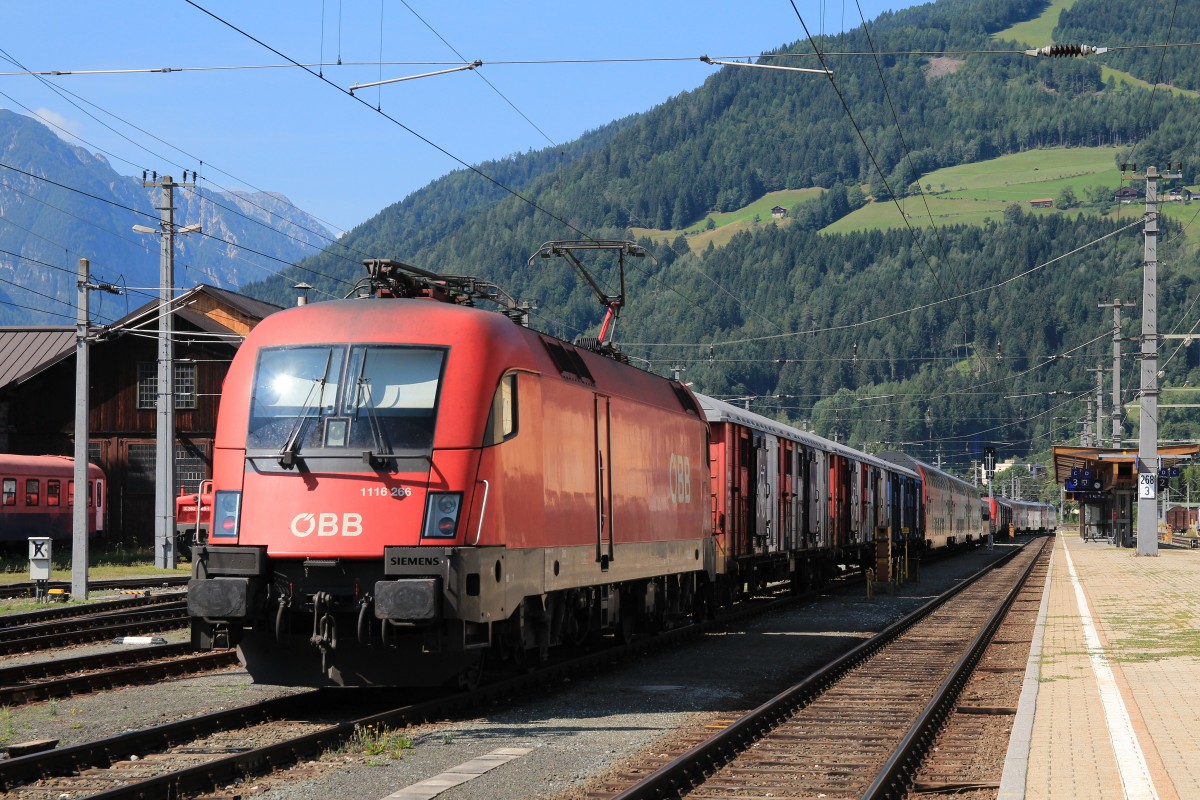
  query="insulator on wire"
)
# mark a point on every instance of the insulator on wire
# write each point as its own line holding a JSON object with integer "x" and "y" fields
{"x": 1066, "y": 50}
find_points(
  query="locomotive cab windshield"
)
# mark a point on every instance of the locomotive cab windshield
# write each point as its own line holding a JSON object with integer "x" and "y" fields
{"x": 338, "y": 401}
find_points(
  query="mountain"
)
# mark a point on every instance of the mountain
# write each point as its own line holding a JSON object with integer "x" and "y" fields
{"x": 60, "y": 203}
{"x": 872, "y": 336}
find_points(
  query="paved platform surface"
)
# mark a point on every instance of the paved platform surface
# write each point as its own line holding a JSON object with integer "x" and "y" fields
{"x": 1111, "y": 703}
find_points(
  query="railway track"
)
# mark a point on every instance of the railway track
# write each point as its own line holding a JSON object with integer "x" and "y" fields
{"x": 967, "y": 759}
{"x": 163, "y": 614}
{"x": 207, "y": 752}
{"x": 62, "y": 677}
{"x": 858, "y": 727}
{"x": 64, "y": 612}
{"x": 27, "y": 589}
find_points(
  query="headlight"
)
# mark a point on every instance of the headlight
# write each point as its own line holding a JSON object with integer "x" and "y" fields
{"x": 441, "y": 515}
{"x": 227, "y": 507}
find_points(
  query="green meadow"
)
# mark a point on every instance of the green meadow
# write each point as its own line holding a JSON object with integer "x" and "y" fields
{"x": 732, "y": 222}
{"x": 1038, "y": 31}
{"x": 969, "y": 194}
{"x": 972, "y": 193}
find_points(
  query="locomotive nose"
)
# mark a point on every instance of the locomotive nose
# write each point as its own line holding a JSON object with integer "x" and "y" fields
{"x": 331, "y": 517}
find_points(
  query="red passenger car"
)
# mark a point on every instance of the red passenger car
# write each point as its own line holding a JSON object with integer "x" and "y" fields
{"x": 37, "y": 497}
{"x": 404, "y": 484}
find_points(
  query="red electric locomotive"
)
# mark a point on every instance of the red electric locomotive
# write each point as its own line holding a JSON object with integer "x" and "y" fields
{"x": 406, "y": 482}
{"x": 193, "y": 517}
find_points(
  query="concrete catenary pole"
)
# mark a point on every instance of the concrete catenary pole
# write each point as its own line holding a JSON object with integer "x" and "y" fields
{"x": 164, "y": 454}
{"x": 79, "y": 512}
{"x": 1147, "y": 522}
{"x": 1118, "y": 414}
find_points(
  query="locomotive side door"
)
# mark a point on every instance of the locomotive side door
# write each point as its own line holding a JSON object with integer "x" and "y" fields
{"x": 604, "y": 506}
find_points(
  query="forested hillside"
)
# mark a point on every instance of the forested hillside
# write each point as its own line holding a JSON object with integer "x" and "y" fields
{"x": 783, "y": 315}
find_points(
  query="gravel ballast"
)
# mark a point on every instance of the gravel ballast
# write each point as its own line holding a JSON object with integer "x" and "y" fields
{"x": 577, "y": 732}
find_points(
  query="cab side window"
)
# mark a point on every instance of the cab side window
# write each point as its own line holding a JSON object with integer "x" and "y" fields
{"x": 53, "y": 492}
{"x": 8, "y": 495}
{"x": 503, "y": 419}
{"x": 33, "y": 492}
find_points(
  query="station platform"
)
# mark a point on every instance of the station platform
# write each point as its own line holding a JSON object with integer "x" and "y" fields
{"x": 1110, "y": 706}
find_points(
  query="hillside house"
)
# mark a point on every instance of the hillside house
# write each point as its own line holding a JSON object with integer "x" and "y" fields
{"x": 1128, "y": 194}
{"x": 779, "y": 212}
{"x": 37, "y": 396}
{"x": 1044, "y": 202}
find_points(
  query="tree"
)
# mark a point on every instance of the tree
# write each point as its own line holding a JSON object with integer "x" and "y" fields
{"x": 1067, "y": 198}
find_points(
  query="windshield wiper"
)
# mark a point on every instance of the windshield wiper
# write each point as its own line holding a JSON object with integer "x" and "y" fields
{"x": 291, "y": 446}
{"x": 371, "y": 458}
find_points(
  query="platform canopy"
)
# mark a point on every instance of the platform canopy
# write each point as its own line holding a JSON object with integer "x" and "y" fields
{"x": 1098, "y": 470}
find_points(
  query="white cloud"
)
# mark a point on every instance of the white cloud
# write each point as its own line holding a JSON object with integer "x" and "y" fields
{"x": 58, "y": 123}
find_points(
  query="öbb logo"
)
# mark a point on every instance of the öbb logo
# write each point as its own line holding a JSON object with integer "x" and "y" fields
{"x": 680, "y": 478}
{"x": 327, "y": 524}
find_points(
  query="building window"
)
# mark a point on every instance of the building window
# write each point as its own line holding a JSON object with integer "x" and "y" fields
{"x": 190, "y": 466}
{"x": 139, "y": 470}
{"x": 185, "y": 385}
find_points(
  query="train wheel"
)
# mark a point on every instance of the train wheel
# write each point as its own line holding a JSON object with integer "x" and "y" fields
{"x": 627, "y": 631}
{"x": 468, "y": 680}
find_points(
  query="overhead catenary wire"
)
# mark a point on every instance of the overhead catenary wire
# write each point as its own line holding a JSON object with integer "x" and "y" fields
{"x": 64, "y": 93}
{"x": 155, "y": 218}
{"x": 320, "y": 65}
{"x": 480, "y": 74}
{"x": 470, "y": 167}
{"x": 894, "y": 314}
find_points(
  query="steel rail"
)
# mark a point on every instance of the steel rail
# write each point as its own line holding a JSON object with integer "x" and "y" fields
{"x": 205, "y": 777}
{"x": 892, "y": 781}
{"x": 70, "y": 611}
{"x": 86, "y": 623}
{"x": 153, "y": 621}
{"x": 689, "y": 770}
{"x": 47, "y": 680}
{"x": 28, "y": 589}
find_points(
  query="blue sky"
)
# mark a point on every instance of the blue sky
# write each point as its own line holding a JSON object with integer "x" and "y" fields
{"x": 287, "y": 131}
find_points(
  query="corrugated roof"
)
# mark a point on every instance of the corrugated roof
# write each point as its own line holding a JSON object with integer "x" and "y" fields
{"x": 24, "y": 352}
